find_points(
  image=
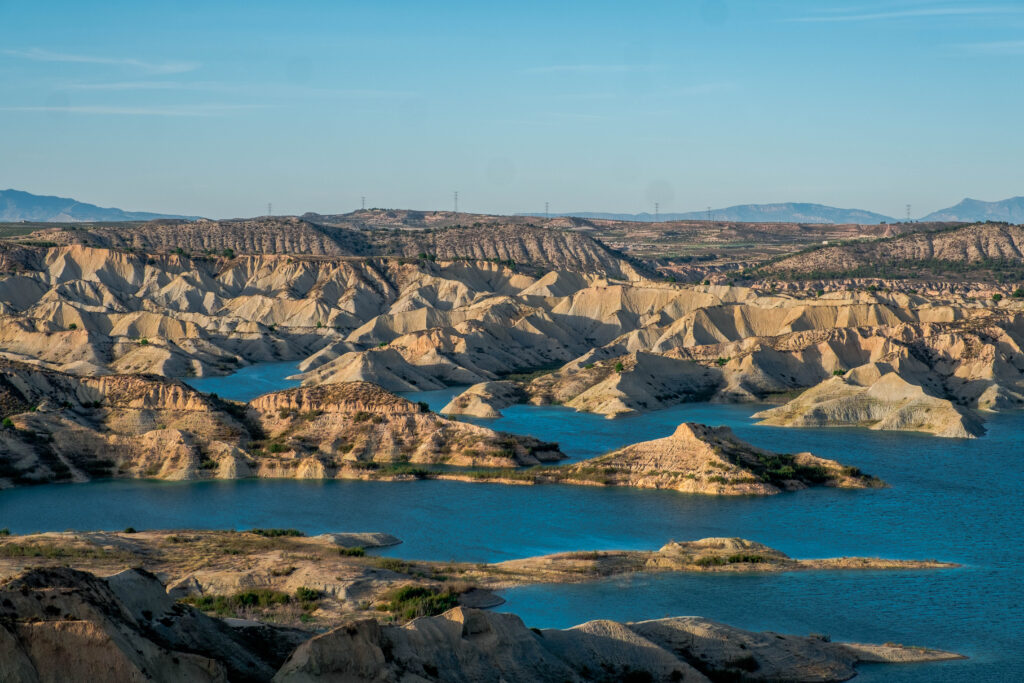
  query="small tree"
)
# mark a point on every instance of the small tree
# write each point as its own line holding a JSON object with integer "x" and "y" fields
{"x": 618, "y": 366}
{"x": 997, "y": 297}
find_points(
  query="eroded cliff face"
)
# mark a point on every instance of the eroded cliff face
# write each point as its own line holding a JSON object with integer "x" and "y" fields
{"x": 622, "y": 343}
{"x": 60, "y": 427}
{"x": 126, "y": 627}
{"x": 471, "y": 645}
{"x": 60, "y": 623}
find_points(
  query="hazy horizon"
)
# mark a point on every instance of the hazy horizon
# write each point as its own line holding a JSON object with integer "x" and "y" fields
{"x": 190, "y": 108}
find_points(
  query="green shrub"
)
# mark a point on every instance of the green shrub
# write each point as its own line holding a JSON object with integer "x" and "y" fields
{"x": 275, "y": 533}
{"x": 749, "y": 558}
{"x": 227, "y": 605}
{"x": 409, "y": 602}
{"x": 130, "y": 530}
{"x": 721, "y": 361}
{"x": 8, "y": 423}
{"x": 393, "y": 565}
{"x": 358, "y": 551}
{"x": 303, "y": 594}
{"x": 73, "y": 326}
{"x": 618, "y": 366}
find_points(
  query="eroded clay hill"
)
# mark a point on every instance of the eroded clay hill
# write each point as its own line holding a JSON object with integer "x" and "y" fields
{"x": 618, "y": 342}
{"x": 59, "y": 427}
{"x": 126, "y": 627}
{"x": 701, "y": 459}
{"x": 971, "y": 244}
{"x": 523, "y": 244}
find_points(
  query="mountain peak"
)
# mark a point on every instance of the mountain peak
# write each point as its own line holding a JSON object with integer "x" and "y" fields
{"x": 18, "y": 205}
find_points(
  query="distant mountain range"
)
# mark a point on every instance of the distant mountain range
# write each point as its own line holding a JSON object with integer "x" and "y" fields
{"x": 24, "y": 206}
{"x": 967, "y": 211}
{"x": 789, "y": 212}
{"x": 974, "y": 210}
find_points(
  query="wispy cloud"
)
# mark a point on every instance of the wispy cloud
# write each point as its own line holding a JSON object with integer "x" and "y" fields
{"x": 589, "y": 68}
{"x": 39, "y": 55}
{"x": 1004, "y": 47}
{"x": 833, "y": 16}
{"x": 132, "y": 85}
{"x": 172, "y": 110}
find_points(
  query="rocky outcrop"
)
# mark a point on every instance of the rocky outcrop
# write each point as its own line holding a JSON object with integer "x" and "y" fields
{"x": 701, "y": 459}
{"x": 877, "y": 398}
{"x": 621, "y": 385}
{"x": 471, "y": 645}
{"x": 485, "y": 399}
{"x": 125, "y": 628}
{"x": 60, "y": 427}
{"x": 358, "y": 424}
{"x": 420, "y": 324}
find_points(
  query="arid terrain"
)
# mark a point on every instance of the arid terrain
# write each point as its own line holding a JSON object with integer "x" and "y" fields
{"x": 262, "y": 592}
{"x": 895, "y": 327}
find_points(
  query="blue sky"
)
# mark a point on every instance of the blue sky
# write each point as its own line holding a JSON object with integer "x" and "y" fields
{"x": 218, "y": 108}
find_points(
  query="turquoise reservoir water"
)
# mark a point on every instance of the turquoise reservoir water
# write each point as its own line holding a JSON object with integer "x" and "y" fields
{"x": 250, "y": 381}
{"x": 950, "y": 499}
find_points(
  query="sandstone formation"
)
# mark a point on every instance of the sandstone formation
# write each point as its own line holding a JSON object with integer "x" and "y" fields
{"x": 57, "y": 621}
{"x": 472, "y": 645}
{"x": 621, "y": 341}
{"x": 865, "y": 398}
{"x": 60, "y": 427}
{"x": 485, "y": 399}
{"x": 711, "y": 460}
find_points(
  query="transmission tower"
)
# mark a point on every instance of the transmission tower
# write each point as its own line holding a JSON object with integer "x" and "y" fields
{"x": 655, "y": 212}
{"x": 709, "y": 214}
{"x": 270, "y": 209}
{"x": 546, "y": 213}
{"x": 908, "y": 213}
{"x": 363, "y": 199}
{"x": 456, "y": 195}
